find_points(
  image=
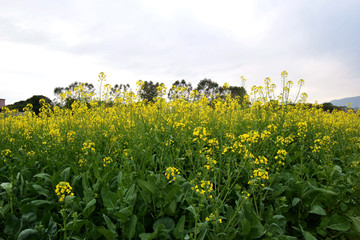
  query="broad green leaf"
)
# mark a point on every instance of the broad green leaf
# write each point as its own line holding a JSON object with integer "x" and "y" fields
{"x": 44, "y": 176}
{"x": 171, "y": 209}
{"x": 90, "y": 207}
{"x": 168, "y": 223}
{"x": 171, "y": 193}
{"x": 179, "y": 229}
{"x": 111, "y": 226}
{"x": 40, "y": 190}
{"x": 147, "y": 186}
{"x": 245, "y": 226}
{"x": 124, "y": 213}
{"x": 130, "y": 230}
{"x": 109, "y": 198}
{"x": 202, "y": 234}
{"x": 7, "y": 186}
{"x": 41, "y": 202}
{"x": 339, "y": 223}
{"x": 308, "y": 236}
{"x": 192, "y": 210}
{"x": 28, "y": 234}
{"x": 317, "y": 209}
{"x": 105, "y": 232}
{"x": 154, "y": 235}
{"x": 295, "y": 201}
{"x": 284, "y": 237}
{"x": 4, "y": 210}
{"x": 356, "y": 224}
{"x": 65, "y": 174}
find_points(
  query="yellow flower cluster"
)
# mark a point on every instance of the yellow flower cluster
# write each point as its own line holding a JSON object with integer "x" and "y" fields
{"x": 260, "y": 173}
{"x": 70, "y": 136}
{"x": 324, "y": 142}
{"x": 213, "y": 218}
{"x": 355, "y": 164}
{"x": 62, "y": 190}
{"x": 107, "y": 161}
{"x": 205, "y": 187}
{"x": 82, "y": 162}
{"x": 88, "y": 146}
{"x": 281, "y": 141}
{"x": 171, "y": 174}
{"x": 210, "y": 163}
{"x": 30, "y": 153}
{"x": 281, "y": 156}
{"x": 261, "y": 160}
{"x": 6, "y": 153}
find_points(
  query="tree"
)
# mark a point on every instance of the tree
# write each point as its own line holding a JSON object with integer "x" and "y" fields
{"x": 75, "y": 91}
{"x": 180, "y": 89}
{"x": 118, "y": 89}
{"x": 234, "y": 91}
{"x": 149, "y": 91}
{"x": 209, "y": 88}
{"x": 34, "y": 101}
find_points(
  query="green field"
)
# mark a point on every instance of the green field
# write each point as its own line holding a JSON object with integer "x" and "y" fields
{"x": 180, "y": 170}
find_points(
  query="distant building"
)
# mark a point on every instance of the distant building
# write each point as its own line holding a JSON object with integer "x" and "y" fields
{"x": 2, "y": 102}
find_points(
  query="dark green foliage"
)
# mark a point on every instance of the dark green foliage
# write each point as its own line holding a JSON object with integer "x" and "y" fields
{"x": 34, "y": 101}
{"x": 173, "y": 94}
{"x": 149, "y": 91}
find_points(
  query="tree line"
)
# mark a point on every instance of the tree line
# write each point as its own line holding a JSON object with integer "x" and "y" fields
{"x": 148, "y": 92}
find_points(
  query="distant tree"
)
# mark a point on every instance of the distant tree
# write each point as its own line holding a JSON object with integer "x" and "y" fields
{"x": 209, "y": 88}
{"x": 118, "y": 89}
{"x": 234, "y": 91}
{"x": 75, "y": 91}
{"x": 34, "y": 101}
{"x": 149, "y": 91}
{"x": 328, "y": 106}
{"x": 180, "y": 88}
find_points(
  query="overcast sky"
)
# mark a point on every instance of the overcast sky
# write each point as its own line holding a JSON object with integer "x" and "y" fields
{"x": 46, "y": 43}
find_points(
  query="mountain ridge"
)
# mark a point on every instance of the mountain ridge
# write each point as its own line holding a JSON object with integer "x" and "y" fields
{"x": 355, "y": 102}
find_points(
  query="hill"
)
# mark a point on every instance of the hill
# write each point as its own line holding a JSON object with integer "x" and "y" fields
{"x": 355, "y": 102}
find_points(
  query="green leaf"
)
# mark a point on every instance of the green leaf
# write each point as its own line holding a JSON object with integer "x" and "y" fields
{"x": 106, "y": 233}
{"x": 124, "y": 213}
{"x": 147, "y": 186}
{"x": 168, "y": 223}
{"x": 44, "y": 176}
{"x": 7, "y": 186}
{"x": 308, "y": 236}
{"x": 202, "y": 234}
{"x": 339, "y": 223}
{"x": 4, "y": 210}
{"x": 356, "y": 224}
{"x": 192, "y": 210}
{"x": 295, "y": 201}
{"x": 284, "y": 237}
{"x": 111, "y": 226}
{"x": 65, "y": 174}
{"x": 171, "y": 208}
{"x": 109, "y": 198}
{"x": 40, "y": 190}
{"x": 317, "y": 209}
{"x": 130, "y": 230}
{"x": 245, "y": 226}
{"x": 28, "y": 234}
{"x": 119, "y": 179}
{"x": 41, "y": 202}
{"x": 90, "y": 207}
{"x": 179, "y": 230}
{"x": 154, "y": 235}
{"x": 171, "y": 193}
